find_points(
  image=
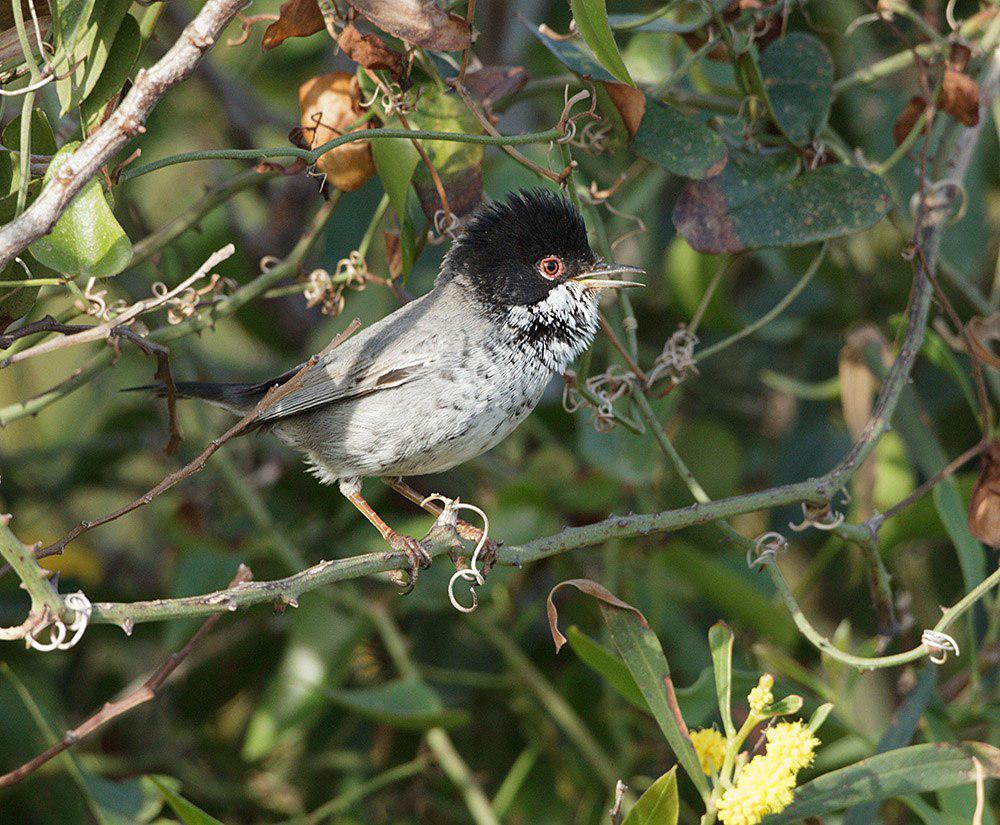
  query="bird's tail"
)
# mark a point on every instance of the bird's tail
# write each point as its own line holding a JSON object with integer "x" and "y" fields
{"x": 237, "y": 398}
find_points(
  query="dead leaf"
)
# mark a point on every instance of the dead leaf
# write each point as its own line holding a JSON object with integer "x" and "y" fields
{"x": 960, "y": 97}
{"x": 329, "y": 104}
{"x": 908, "y": 119}
{"x": 630, "y": 103}
{"x": 491, "y": 83}
{"x": 421, "y": 22}
{"x": 369, "y": 51}
{"x": 591, "y": 588}
{"x": 982, "y": 330}
{"x": 297, "y": 18}
{"x": 984, "y": 506}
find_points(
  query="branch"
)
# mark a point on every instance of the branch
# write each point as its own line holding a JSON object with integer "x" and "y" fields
{"x": 45, "y": 602}
{"x": 125, "y": 123}
{"x": 112, "y": 710}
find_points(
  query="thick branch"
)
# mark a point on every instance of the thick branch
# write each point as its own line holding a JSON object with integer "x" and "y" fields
{"x": 126, "y": 122}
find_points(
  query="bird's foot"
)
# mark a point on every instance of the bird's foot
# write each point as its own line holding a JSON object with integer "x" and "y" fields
{"x": 417, "y": 557}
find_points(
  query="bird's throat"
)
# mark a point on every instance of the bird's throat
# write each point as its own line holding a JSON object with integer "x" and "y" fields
{"x": 557, "y": 329}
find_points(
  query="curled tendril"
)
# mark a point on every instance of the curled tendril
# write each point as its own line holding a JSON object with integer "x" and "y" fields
{"x": 470, "y": 573}
{"x": 446, "y": 225}
{"x": 185, "y": 305}
{"x": 327, "y": 291}
{"x": 607, "y": 387}
{"x": 935, "y": 204}
{"x": 677, "y": 358}
{"x": 765, "y": 549}
{"x": 820, "y": 517}
{"x": 938, "y": 645}
{"x": 82, "y": 609}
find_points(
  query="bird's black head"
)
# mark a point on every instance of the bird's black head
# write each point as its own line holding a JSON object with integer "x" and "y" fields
{"x": 515, "y": 252}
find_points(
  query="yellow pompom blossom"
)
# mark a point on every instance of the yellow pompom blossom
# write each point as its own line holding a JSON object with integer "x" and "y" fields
{"x": 760, "y": 697}
{"x": 791, "y": 745}
{"x": 760, "y": 790}
{"x": 766, "y": 784}
{"x": 710, "y": 745}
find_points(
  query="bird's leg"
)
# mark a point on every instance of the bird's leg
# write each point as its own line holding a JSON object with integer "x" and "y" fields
{"x": 467, "y": 531}
{"x": 416, "y": 554}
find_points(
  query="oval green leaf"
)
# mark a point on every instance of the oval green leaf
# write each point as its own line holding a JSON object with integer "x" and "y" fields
{"x": 658, "y": 804}
{"x": 757, "y": 202}
{"x": 94, "y": 45}
{"x": 678, "y": 143}
{"x": 86, "y": 240}
{"x": 797, "y": 71}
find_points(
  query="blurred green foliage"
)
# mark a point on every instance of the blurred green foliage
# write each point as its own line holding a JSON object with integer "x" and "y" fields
{"x": 339, "y": 707}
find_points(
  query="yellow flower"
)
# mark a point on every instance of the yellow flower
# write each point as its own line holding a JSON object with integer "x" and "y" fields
{"x": 791, "y": 745}
{"x": 760, "y": 789}
{"x": 710, "y": 745}
{"x": 760, "y": 697}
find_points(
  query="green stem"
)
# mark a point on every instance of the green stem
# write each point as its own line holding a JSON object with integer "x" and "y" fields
{"x": 343, "y": 803}
{"x": 771, "y": 314}
{"x": 26, "y": 106}
{"x": 311, "y": 155}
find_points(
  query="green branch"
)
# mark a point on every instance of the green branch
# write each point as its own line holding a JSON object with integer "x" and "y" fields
{"x": 312, "y": 155}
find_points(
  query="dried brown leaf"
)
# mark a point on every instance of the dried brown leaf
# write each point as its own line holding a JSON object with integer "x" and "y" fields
{"x": 908, "y": 119}
{"x": 984, "y": 506}
{"x": 960, "y": 97}
{"x": 591, "y": 588}
{"x": 421, "y": 22}
{"x": 369, "y": 51}
{"x": 630, "y": 103}
{"x": 297, "y": 18}
{"x": 329, "y": 104}
{"x": 491, "y": 83}
{"x": 981, "y": 331}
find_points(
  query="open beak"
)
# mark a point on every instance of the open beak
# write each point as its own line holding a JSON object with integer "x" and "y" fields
{"x": 608, "y": 276}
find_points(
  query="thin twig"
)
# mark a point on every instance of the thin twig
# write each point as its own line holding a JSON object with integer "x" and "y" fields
{"x": 146, "y": 692}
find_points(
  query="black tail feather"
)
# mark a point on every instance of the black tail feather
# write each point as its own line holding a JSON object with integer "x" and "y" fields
{"x": 238, "y": 398}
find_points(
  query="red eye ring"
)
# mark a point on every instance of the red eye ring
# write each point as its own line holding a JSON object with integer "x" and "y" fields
{"x": 551, "y": 267}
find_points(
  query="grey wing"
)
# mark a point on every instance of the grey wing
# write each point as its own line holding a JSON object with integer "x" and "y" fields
{"x": 398, "y": 349}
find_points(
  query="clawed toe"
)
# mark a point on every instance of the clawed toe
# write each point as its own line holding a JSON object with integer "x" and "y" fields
{"x": 416, "y": 554}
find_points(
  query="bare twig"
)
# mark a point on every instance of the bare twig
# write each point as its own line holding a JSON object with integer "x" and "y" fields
{"x": 125, "y": 123}
{"x": 107, "y": 329}
{"x": 112, "y": 710}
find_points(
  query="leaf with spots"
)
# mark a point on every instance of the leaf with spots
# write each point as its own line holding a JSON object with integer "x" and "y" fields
{"x": 759, "y": 201}
{"x": 797, "y": 71}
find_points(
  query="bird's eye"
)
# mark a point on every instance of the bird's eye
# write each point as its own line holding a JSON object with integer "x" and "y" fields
{"x": 551, "y": 267}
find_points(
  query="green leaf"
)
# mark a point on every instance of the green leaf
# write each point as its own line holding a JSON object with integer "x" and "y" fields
{"x": 783, "y": 707}
{"x": 658, "y": 804}
{"x": 86, "y": 240}
{"x": 131, "y": 802}
{"x": 797, "y": 71}
{"x": 591, "y": 18}
{"x": 94, "y": 45}
{"x": 459, "y": 165}
{"x": 574, "y": 55}
{"x": 409, "y": 704}
{"x": 678, "y": 143}
{"x": 43, "y": 141}
{"x": 292, "y": 699}
{"x": 121, "y": 58}
{"x": 641, "y": 651}
{"x": 70, "y": 16}
{"x": 720, "y": 642}
{"x": 396, "y": 161}
{"x": 819, "y": 716}
{"x": 186, "y": 812}
{"x": 902, "y": 772}
{"x": 757, "y": 201}
{"x": 605, "y": 663}
{"x": 898, "y": 734}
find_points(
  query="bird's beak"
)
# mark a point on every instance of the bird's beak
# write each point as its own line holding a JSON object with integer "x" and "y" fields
{"x": 604, "y": 275}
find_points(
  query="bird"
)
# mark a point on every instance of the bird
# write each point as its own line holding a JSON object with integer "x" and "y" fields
{"x": 448, "y": 375}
